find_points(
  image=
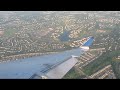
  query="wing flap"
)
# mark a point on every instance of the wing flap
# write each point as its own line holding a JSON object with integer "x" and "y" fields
{"x": 60, "y": 70}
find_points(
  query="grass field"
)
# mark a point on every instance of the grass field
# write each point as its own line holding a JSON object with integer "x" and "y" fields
{"x": 74, "y": 74}
{"x": 10, "y": 32}
{"x": 116, "y": 67}
{"x": 101, "y": 62}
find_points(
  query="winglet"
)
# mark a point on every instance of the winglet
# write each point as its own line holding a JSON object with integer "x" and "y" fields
{"x": 87, "y": 43}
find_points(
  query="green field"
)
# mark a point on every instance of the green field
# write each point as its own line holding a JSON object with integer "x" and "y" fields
{"x": 101, "y": 62}
{"x": 116, "y": 67}
{"x": 10, "y": 32}
{"x": 74, "y": 74}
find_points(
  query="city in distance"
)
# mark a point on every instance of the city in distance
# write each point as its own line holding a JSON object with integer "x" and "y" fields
{"x": 59, "y": 44}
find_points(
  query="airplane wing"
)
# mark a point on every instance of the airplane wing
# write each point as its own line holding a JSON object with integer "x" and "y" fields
{"x": 53, "y": 66}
